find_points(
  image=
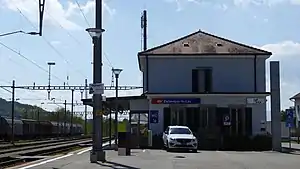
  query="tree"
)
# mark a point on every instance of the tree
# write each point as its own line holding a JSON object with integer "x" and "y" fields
{"x": 283, "y": 115}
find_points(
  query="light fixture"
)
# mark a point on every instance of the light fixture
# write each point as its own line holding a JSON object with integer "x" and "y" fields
{"x": 51, "y": 63}
{"x": 95, "y": 32}
{"x": 117, "y": 71}
{"x": 32, "y": 33}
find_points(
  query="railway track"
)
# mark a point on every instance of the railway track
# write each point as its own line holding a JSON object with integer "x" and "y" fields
{"x": 7, "y": 145}
{"x": 15, "y": 156}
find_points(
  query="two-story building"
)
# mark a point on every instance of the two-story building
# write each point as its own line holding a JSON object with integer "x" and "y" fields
{"x": 211, "y": 84}
{"x": 296, "y": 100}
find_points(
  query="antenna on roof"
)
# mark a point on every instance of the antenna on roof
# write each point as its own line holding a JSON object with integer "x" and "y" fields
{"x": 144, "y": 30}
{"x": 144, "y": 44}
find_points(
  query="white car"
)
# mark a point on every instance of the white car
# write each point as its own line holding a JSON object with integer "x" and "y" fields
{"x": 179, "y": 137}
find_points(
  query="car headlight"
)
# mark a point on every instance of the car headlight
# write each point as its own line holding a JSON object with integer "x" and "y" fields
{"x": 172, "y": 139}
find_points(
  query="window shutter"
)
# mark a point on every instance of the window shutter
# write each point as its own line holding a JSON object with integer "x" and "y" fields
{"x": 194, "y": 80}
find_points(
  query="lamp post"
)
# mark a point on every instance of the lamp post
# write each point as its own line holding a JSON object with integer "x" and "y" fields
{"x": 15, "y": 32}
{"x": 49, "y": 79}
{"x": 38, "y": 118}
{"x": 38, "y": 113}
{"x": 97, "y": 153}
{"x": 116, "y": 73}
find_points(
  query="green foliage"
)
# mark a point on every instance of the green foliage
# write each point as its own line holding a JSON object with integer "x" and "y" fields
{"x": 105, "y": 127}
{"x": 33, "y": 112}
{"x": 283, "y": 116}
{"x": 24, "y": 110}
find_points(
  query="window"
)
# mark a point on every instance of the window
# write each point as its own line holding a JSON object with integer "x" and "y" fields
{"x": 180, "y": 131}
{"x": 202, "y": 80}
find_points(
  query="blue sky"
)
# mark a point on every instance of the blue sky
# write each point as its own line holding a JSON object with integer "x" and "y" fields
{"x": 267, "y": 24}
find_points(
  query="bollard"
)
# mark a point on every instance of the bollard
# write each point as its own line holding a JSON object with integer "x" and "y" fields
{"x": 150, "y": 138}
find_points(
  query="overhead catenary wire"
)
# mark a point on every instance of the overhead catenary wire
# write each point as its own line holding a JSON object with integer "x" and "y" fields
{"x": 32, "y": 94}
{"x": 68, "y": 32}
{"x": 51, "y": 46}
{"x": 29, "y": 60}
{"x": 105, "y": 55}
{"x": 89, "y": 25}
{"x": 82, "y": 13}
{"x": 6, "y": 89}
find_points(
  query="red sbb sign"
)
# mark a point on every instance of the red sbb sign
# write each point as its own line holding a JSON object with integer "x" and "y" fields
{"x": 157, "y": 101}
{"x": 176, "y": 101}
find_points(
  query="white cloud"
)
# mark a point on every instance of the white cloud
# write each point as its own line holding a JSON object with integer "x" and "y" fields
{"x": 286, "y": 53}
{"x": 264, "y": 2}
{"x": 223, "y": 7}
{"x": 240, "y": 3}
{"x": 181, "y": 3}
{"x": 55, "y": 42}
{"x": 55, "y": 13}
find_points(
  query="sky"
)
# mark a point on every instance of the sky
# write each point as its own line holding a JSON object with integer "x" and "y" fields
{"x": 267, "y": 24}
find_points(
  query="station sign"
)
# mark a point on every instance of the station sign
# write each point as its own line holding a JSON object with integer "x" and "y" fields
{"x": 96, "y": 88}
{"x": 289, "y": 118}
{"x": 226, "y": 120}
{"x": 256, "y": 100}
{"x": 176, "y": 101}
{"x": 153, "y": 116}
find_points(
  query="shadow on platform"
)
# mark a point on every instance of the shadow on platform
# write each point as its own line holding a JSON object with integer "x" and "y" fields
{"x": 116, "y": 165}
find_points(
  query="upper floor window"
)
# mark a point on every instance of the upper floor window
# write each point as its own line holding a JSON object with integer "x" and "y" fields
{"x": 202, "y": 80}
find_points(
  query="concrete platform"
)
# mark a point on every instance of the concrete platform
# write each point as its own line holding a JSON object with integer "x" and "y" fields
{"x": 149, "y": 159}
{"x": 294, "y": 146}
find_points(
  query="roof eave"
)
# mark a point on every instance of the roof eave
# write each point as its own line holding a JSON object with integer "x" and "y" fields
{"x": 194, "y": 54}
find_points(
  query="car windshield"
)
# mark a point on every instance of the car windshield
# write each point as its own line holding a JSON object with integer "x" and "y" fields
{"x": 180, "y": 131}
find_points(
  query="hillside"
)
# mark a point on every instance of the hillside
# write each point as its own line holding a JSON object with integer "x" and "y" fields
{"x": 21, "y": 110}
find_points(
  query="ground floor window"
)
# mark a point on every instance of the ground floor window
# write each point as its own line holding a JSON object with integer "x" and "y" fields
{"x": 209, "y": 119}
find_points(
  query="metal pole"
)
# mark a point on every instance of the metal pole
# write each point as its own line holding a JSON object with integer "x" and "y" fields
{"x": 65, "y": 116}
{"x": 58, "y": 124}
{"x": 13, "y": 113}
{"x": 38, "y": 115}
{"x": 97, "y": 151}
{"x": 85, "y": 109}
{"x": 109, "y": 127}
{"x": 49, "y": 76}
{"x": 290, "y": 139}
{"x": 38, "y": 119}
{"x": 71, "y": 126}
{"x": 116, "y": 112}
{"x": 49, "y": 80}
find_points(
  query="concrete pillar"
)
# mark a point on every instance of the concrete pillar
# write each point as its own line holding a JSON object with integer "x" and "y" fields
{"x": 275, "y": 105}
{"x": 297, "y": 113}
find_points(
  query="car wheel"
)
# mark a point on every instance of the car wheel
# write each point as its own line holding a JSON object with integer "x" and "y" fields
{"x": 167, "y": 147}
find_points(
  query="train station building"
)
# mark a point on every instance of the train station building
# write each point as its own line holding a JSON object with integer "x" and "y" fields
{"x": 213, "y": 85}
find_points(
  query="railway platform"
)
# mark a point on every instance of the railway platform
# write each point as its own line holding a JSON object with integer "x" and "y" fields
{"x": 146, "y": 159}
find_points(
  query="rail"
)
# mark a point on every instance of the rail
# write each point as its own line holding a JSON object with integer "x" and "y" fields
{"x": 7, "y": 145}
{"x": 16, "y": 155}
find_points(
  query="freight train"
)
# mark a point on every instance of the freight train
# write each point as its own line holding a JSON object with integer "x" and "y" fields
{"x": 25, "y": 129}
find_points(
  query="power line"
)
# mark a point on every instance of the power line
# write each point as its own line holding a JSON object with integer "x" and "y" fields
{"x": 68, "y": 32}
{"x": 66, "y": 61}
{"x": 82, "y": 13}
{"x": 31, "y": 61}
{"x": 88, "y": 24}
{"x": 6, "y": 89}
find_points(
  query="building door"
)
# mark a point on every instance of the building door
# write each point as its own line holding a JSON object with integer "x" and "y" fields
{"x": 178, "y": 115}
{"x": 139, "y": 128}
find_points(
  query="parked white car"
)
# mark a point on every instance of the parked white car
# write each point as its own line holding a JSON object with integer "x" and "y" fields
{"x": 179, "y": 137}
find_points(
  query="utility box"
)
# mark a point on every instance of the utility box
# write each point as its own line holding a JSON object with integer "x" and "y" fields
{"x": 150, "y": 138}
{"x": 124, "y": 141}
